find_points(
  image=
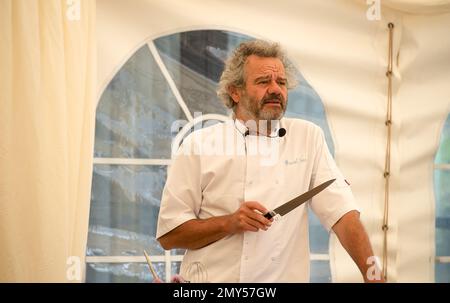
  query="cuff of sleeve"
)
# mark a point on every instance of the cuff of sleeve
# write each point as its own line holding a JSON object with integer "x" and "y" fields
{"x": 168, "y": 225}
{"x": 334, "y": 218}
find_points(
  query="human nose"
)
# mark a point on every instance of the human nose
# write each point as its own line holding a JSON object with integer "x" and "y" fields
{"x": 274, "y": 88}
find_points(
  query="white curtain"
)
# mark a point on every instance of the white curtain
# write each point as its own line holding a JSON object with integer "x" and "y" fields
{"x": 47, "y": 110}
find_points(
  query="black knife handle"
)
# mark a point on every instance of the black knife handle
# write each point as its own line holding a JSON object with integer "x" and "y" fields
{"x": 269, "y": 215}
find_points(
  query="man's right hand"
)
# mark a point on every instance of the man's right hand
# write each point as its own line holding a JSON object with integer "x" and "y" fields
{"x": 249, "y": 217}
{"x": 198, "y": 233}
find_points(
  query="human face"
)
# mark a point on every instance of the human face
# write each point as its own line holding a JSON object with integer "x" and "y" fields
{"x": 264, "y": 96}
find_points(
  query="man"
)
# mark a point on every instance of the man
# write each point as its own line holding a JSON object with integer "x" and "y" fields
{"x": 213, "y": 203}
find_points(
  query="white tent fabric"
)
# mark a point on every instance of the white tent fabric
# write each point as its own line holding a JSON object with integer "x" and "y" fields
{"x": 343, "y": 55}
{"x": 47, "y": 92}
{"x": 419, "y": 7}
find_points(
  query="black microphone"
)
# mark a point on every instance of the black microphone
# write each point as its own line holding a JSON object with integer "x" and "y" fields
{"x": 281, "y": 133}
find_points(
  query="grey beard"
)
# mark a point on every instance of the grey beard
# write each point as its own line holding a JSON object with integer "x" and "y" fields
{"x": 257, "y": 113}
{"x": 268, "y": 116}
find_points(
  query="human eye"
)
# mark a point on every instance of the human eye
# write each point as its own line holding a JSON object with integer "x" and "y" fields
{"x": 263, "y": 81}
{"x": 282, "y": 82}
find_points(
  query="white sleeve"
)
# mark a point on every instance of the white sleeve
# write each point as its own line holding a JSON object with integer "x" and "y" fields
{"x": 337, "y": 199}
{"x": 181, "y": 197}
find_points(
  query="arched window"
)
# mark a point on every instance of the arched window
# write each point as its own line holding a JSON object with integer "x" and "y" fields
{"x": 166, "y": 80}
{"x": 442, "y": 195}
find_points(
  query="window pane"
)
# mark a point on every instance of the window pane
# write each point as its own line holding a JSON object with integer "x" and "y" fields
{"x": 442, "y": 272}
{"x": 320, "y": 272}
{"x": 176, "y": 268}
{"x": 442, "y": 194}
{"x": 443, "y": 153}
{"x": 318, "y": 236}
{"x": 123, "y": 272}
{"x": 177, "y": 252}
{"x": 136, "y": 112}
{"x": 125, "y": 204}
{"x": 195, "y": 60}
{"x": 199, "y": 125}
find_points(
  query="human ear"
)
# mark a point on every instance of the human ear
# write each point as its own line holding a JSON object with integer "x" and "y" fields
{"x": 235, "y": 93}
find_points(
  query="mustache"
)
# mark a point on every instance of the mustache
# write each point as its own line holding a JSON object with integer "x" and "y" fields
{"x": 272, "y": 98}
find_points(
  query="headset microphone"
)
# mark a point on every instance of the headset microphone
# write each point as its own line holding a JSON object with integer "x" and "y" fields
{"x": 281, "y": 133}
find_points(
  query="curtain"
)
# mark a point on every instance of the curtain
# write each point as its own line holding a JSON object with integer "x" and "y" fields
{"x": 47, "y": 110}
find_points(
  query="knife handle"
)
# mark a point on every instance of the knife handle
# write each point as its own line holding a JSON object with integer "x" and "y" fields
{"x": 269, "y": 215}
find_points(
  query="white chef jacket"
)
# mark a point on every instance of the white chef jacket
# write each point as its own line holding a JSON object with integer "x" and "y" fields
{"x": 219, "y": 167}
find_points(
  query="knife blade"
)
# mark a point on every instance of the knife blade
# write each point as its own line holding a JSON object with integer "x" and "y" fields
{"x": 294, "y": 203}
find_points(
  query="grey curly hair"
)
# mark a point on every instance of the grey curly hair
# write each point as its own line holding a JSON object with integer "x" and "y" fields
{"x": 233, "y": 74}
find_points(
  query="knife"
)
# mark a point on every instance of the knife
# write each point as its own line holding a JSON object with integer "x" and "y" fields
{"x": 294, "y": 203}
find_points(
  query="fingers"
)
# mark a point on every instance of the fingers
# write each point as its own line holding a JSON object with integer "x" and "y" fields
{"x": 255, "y": 205}
{"x": 251, "y": 207}
{"x": 249, "y": 217}
{"x": 257, "y": 220}
{"x": 248, "y": 227}
{"x": 253, "y": 224}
